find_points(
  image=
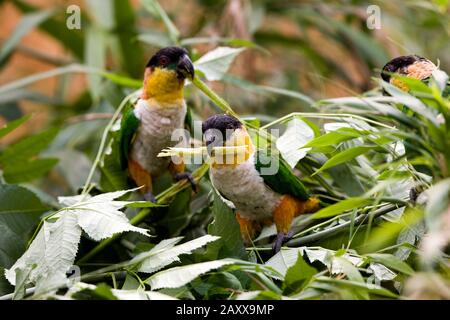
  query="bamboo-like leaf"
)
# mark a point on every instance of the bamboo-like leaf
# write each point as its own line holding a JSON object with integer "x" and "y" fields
{"x": 344, "y": 156}
{"x": 341, "y": 207}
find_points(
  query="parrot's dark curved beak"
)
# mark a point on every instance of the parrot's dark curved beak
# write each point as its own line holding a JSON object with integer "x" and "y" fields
{"x": 185, "y": 67}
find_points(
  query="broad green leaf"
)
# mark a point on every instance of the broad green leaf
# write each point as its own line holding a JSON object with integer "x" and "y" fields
{"x": 28, "y": 171}
{"x": 392, "y": 262}
{"x": 179, "y": 213}
{"x": 27, "y": 147}
{"x": 112, "y": 177}
{"x": 216, "y": 63}
{"x": 381, "y": 273}
{"x": 341, "y": 265}
{"x": 344, "y": 156}
{"x": 50, "y": 254}
{"x": 167, "y": 252}
{"x": 284, "y": 259}
{"x": 226, "y": 227}
{"x": 10, "y": 126}
{"x": 345, "y": 177}
{"x": 100, "y": 216}
{"x": 180, "y": 276}
{"x": 298, "y": 276}
{"x": 20, "y": 210}
{"x": 341, "y": 207}
{"x": 291, "y": 143}
{"x": 27, "y": 23}
{"x": 21, "y": 280}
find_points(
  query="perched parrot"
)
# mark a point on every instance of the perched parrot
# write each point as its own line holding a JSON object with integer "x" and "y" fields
{"x": 147, "y": 128}
{"x": 412, "y": 66}
{"x": 258, "y": 198}
{"x": 418, "y": 68}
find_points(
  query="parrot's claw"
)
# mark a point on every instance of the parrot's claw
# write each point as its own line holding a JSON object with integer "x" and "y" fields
{"x": 280, "y": 240}
{"x": 149, "y": 197}
{"x": 188, "y": 177}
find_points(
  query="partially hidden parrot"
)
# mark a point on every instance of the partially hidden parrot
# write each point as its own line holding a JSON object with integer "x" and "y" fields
{"x": 147, "y": 128}
{"x": 419, "y": 68}
{"x": 412, "y": 66}
{"x": 259, "y": 198}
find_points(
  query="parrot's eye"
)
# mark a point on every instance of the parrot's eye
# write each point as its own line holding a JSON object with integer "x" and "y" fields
{"x": 163, "y": 60}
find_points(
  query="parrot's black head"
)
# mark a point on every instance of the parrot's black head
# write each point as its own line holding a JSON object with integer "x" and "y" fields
{"x": 218, "y": 128}
{"x": 413, "y": 66}
{"x": 173, "y": 58}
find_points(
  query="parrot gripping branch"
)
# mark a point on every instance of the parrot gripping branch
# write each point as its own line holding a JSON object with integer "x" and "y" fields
{"x": 161, "y": 198}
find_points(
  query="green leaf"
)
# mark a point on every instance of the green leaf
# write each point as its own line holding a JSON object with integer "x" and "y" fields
{"x": 335, "y": 137}
{"x": 28, "y": 171}
{"x": 10, "y": 126}
{"x": 100, "y": 216}
{"x": 21, "y": 281}
{"x": 95, "y": 55}
{"x": 392, "y": 262}
{"x": 410, "y": 101}
{"x": 291, "y": 143}
{"x": 179, "y": 213}
{"x": 284, "y": 259}
{"x": 166, "y": 252}
{"x": 226, "y": 227}
{"x": 27, "y": 23}
{"x": 20, "y": 210}
{"x": 180, "y": 276}
{"x": 27, "y": 147}
{"x": 216, "y": 63}
{"x": 341, "y": 207}
{"x": 298, "y": 276}
{"x": 155, "y": 8}
{"x": 370, "y": 288}
{"x": 344, "y": 156}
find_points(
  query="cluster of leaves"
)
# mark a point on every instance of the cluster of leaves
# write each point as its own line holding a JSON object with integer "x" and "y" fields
{"x": 378, "y": 162}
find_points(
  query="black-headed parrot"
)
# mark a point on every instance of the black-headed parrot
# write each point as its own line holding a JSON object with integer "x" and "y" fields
{"x": 147, "y": 128}
{"x": 259, "y": 197}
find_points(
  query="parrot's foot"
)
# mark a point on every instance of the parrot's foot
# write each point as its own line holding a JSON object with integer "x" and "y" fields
{"x": 149, "y": 197}
{"x": 282, "y": 238}
{"x": 188, "y": 177}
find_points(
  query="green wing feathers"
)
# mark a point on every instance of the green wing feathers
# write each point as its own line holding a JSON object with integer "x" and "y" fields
{"x": 128, "y": 127}
{"x": 284, "y": 181}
